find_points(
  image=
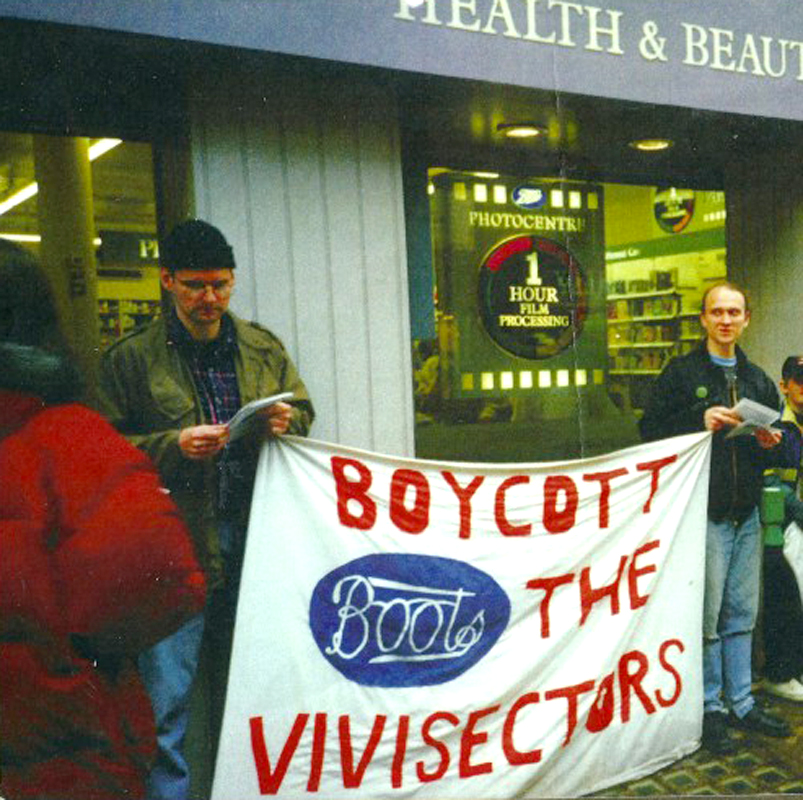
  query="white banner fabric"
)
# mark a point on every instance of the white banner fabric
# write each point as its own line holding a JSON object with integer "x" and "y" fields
{"x": 435, "y": 630}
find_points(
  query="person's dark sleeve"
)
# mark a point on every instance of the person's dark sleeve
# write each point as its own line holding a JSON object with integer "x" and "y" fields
{"x": 668, "y": 411}
{"x": 788, "y": 452}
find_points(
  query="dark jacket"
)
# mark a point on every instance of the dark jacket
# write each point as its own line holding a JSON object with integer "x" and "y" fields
{"x": 95, "y": 566}
{"x": 688, "y": 386}
{"x": 787, "y": 478}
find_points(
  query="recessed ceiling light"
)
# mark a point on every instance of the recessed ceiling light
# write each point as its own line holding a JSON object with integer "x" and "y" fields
{"x": 651, "y": 145}
{"x": 96, "y": 150}
{"x": 520, "y": 130}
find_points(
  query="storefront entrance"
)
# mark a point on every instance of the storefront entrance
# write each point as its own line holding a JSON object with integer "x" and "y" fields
{"x": 553, "y": 277}
{"x": 86, "y": 209}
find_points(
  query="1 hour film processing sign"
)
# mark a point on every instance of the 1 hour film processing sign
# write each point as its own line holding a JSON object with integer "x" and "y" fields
{"x": 422, "y": 629}
{"x": 532, "y": 296}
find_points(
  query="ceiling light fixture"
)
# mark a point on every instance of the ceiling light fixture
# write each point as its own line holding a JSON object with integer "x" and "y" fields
{"x": 520, "y": 130}
{"x": 27, "y": 192}
{"x": 102, "y": 146}
{"x": 35, "y": 238}
{"x": 30, "y": 238}
{"x": 651, "y": 145}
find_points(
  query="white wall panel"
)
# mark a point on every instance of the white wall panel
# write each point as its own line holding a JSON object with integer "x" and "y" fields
{"x": 304, "y": 178}
{"x": 765, "y": 254}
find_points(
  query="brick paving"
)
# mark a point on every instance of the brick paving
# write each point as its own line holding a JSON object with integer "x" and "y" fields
{"x": 764, "y": 766}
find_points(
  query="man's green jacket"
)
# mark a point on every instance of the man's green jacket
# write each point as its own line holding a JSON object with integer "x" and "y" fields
{"x": 147, "y": 392}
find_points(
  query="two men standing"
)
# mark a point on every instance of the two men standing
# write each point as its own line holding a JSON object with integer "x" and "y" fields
{"x": 698, "y": 392}
{"x": 171, "y": 388}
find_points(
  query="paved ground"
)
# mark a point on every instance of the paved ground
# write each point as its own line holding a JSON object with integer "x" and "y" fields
{"x": 764, "y": 766}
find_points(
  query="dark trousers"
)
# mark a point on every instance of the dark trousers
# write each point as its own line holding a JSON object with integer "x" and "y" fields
{"x": 782, "y": 619}
{"x": 219, "y": 631}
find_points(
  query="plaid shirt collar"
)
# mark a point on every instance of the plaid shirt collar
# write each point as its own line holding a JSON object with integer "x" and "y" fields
{"x": 212, "y": 366}
{"x": 226, "y": 340}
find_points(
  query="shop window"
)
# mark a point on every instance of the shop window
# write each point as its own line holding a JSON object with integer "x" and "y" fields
{"x": 664, "y": 246}
{"x": 554, "y": 305}
{"x": 122, "y": 222}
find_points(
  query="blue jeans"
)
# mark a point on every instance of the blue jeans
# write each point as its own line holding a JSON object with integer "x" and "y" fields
{"x": 168, "y": 672}
{"x": 730, "y": 607}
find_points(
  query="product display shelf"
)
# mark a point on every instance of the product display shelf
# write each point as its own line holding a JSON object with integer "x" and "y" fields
{"x": 119, "y": 316}
{"x": 643, "y": 335}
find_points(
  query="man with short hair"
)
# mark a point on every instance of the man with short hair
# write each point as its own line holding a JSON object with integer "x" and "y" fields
{"x": 698, "y": 392}
{"x": 782, "y": 614}
{"x": 172, "y": 388}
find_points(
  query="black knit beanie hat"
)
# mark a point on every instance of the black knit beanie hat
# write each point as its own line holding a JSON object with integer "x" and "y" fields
{"x": 196, "y": 244}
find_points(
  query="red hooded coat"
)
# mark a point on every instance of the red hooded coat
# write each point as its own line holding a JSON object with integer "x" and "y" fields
{"x": 95, "y": 566}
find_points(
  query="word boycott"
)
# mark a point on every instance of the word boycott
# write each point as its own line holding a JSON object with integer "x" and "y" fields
{"x": 410, "y": 497}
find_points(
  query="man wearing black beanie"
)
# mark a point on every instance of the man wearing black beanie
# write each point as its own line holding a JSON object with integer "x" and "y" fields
{"x": 172, "y": 388}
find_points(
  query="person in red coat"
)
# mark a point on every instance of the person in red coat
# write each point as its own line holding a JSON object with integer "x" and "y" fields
{"x": 95, "y": 566}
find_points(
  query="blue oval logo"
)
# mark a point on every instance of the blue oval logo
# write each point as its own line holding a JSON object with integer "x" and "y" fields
{"x": 528, "y": 196}
{"x": 393, "y": 619}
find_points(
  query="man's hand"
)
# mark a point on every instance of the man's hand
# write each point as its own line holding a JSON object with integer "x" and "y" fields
{"x": 768, "y": 438}
{"x": 203, "y": 441}
{"x": 277, "y": 416}
{"x": 718, "y": 417}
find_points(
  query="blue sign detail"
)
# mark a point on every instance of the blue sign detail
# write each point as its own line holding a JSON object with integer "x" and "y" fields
{"x": 528, "y": 196}
{"x": 394, "y": 619}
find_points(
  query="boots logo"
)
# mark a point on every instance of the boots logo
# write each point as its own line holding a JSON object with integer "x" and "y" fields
{"x": 528, "y": 196}
{"x": 406, "y": 620}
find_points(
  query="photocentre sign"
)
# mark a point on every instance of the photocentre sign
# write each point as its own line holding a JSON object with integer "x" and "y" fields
{"x": 743, "y": 56}
{"x": 420, "y": 629}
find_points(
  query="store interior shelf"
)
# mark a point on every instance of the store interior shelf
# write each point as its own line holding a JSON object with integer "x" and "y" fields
{"x": 651, "y": 318}
{"x": 642, "y": 295}
{"x": 633, "y": 345}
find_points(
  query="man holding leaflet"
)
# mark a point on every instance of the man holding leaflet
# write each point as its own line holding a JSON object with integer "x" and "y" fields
{"x": 696, "y": 392}
{"x": 172, "y": 387}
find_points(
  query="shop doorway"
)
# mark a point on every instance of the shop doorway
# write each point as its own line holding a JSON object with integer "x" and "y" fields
{"x": 111, "y": 203}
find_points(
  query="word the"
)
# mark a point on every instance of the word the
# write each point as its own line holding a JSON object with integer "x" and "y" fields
{"x": 590, "y": 595}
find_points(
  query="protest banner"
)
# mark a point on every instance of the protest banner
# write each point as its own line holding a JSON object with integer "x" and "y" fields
{"x": 433, "y": 630}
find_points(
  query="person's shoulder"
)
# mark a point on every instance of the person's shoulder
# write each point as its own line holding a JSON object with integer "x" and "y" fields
{"x": 255, "y": 334}
{"x": 138, "y": 339}
{"x": 64, "y": 419}
{"x": 55, "y": 428}
{"x": 754, "y": 369}
{"x": 683, "y": 363}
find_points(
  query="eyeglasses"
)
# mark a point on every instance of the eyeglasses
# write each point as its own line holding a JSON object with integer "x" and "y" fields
{"x": 220, "y": 288}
